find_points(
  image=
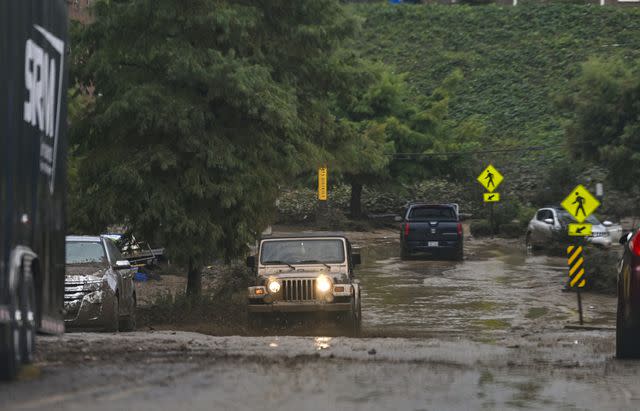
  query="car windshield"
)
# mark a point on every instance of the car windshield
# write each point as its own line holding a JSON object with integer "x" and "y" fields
{"x": 303, "y": 251}
{"x": 432, "y": 213}
{"x": 566, "y": 218}
{"x": 85, "y": 252}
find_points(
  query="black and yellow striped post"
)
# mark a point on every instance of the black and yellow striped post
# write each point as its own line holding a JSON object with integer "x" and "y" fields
{"x": 576, "y": 266}
{"x": 576, "y": 272}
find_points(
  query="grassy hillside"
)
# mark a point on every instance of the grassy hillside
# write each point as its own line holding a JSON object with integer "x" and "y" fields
{"x": 515, "y": 59}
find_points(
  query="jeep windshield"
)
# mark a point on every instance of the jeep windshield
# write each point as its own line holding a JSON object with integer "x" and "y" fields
{"x": 302, "y": 251}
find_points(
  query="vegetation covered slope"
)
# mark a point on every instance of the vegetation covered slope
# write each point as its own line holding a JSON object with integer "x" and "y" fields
{"x": 516, "y": 60}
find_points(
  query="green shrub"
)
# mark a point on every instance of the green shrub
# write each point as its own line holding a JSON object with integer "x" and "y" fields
{"x": 511, "y": 230}
{"x": 601, "y": 267}
{"x": 505, "y": 212}
{"x": 525, "y": 214}
{"x": 480, "y": 228}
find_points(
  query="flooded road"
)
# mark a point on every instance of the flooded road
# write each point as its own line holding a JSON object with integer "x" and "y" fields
{"x": 497, "y": 290}
{"x": 490, "y": 332}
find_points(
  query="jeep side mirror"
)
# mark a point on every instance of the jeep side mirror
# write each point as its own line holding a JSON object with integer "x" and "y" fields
{"x": 122, "y": 265}
{"x": 397, "y": 219}
{"x": 356, "y": 259}
{"x": 607, "y": 223}
{"x": 625, "y": 237}
{"x": 251, "y": 261}
{"x": 548, "y": 221}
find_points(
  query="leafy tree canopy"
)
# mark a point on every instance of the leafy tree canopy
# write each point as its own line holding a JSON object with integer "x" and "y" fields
{"x": 604, "y": 103}
{"x": 381, "y": 124}
{"x": 203, "y": 108}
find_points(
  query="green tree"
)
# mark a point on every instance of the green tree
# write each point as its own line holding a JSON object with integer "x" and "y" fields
{"x": 604, "y": 125}
{"x": 365, "y": 105}
{"x": 203, "y": 108}
{"x": 379, "y": 120}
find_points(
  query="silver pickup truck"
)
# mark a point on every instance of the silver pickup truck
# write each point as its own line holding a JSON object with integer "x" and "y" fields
{"x": 305, "y": 273}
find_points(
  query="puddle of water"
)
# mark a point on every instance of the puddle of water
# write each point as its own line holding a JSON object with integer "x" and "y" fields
{"x": 322, "y": 343}
{"x": 490, "y": 292}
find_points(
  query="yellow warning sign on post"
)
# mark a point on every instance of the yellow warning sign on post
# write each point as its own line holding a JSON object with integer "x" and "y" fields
{"x": 491, "y": 197}
{"x": 580, "y": 203}
{"x": 490, "y": 178}
{"x": 576, "y": 266}
{"x": 322, "y": 183}
{"x": 576, "y": 230}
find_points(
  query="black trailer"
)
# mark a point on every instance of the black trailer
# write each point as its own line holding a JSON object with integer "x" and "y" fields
{"x": 33, "y": 112}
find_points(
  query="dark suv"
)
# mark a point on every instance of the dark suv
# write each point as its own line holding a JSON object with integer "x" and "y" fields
{"x": 433, "y": 229}
{"x": 628, "y": 317}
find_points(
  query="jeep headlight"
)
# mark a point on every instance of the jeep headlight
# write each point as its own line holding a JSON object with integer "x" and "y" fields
{"x": 323, "y": 283}
{"x": 273, "y": 286}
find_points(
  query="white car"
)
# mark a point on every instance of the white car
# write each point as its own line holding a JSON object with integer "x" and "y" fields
{"x": 550, "y": 223}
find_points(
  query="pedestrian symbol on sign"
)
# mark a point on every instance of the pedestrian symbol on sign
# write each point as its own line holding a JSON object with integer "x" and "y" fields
{"x": 580, "y": 201}
{"x": 490, "y": 178}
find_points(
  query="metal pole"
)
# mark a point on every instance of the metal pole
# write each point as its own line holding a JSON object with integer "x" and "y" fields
{"x": 580, "y": 306}
{"x": 491, "y": 219}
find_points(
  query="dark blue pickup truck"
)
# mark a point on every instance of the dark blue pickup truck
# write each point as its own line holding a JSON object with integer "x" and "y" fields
{"x": 433, "y": 229}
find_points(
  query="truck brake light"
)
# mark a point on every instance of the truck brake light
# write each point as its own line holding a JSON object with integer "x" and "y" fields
{"x": 635, "y": 244}
{"x": 459, "y": 228}
{"x": 406, "y": 229}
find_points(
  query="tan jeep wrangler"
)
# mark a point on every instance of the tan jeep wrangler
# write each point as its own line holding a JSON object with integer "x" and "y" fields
{"x": 305, "y": 273}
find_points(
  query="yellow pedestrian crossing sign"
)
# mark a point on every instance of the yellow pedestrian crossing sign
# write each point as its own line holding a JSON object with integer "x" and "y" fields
{"x": 490, "y": 178}
{"x": 580, "y": 203}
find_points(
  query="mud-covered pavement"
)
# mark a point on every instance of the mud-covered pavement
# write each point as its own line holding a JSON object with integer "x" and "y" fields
{"x": 487, "y": 333}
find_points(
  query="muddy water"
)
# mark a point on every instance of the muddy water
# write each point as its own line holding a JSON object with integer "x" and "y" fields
{"x": 496, "y": 292}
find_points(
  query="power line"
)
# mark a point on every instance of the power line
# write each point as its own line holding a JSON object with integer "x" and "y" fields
{"x": 400, "y": 156}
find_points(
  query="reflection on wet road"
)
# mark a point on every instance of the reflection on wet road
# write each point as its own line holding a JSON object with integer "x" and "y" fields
{"x": 497, "y": 320}
{"x": 495, "y": 290}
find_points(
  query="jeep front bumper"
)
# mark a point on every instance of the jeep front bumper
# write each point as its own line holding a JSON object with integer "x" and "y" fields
{"x": 292, "y": 307}
{"x": 337, "y": 299}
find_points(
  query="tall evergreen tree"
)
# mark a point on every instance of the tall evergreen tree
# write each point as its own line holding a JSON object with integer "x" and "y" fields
{"x": 203, "y": 107}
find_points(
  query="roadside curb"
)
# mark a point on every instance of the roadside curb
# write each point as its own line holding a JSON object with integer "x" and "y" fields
{"x": 589, "y": 328}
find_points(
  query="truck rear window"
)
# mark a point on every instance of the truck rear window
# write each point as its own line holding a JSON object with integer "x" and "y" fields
{"x": 432, "y": 213}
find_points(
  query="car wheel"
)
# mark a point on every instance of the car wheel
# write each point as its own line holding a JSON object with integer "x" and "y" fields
{"x": 359, "y": 329}
{"x": 10, "y": 359}
{"x": 128, "y": 323}
{"x": 113, "y": 322}
{"x": 404, "y": 254}
{"x": 458, "y": 255}
{"x": 625, "y": 336}
{"x": 528, "y": 244}
{"x": 355, "y": 318}
{"x": 27, "y": 308}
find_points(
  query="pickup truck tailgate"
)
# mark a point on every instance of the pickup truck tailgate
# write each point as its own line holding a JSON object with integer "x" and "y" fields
{"x": 431, "y": 231}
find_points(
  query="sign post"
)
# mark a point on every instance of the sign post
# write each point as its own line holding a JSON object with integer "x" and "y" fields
{"x": 322, "y": 183}
{"x": 323, "y": 208}
{"x": 576, "y": 272}
{"x": 490, "y": 179}
{"x": 580, "y": 203}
